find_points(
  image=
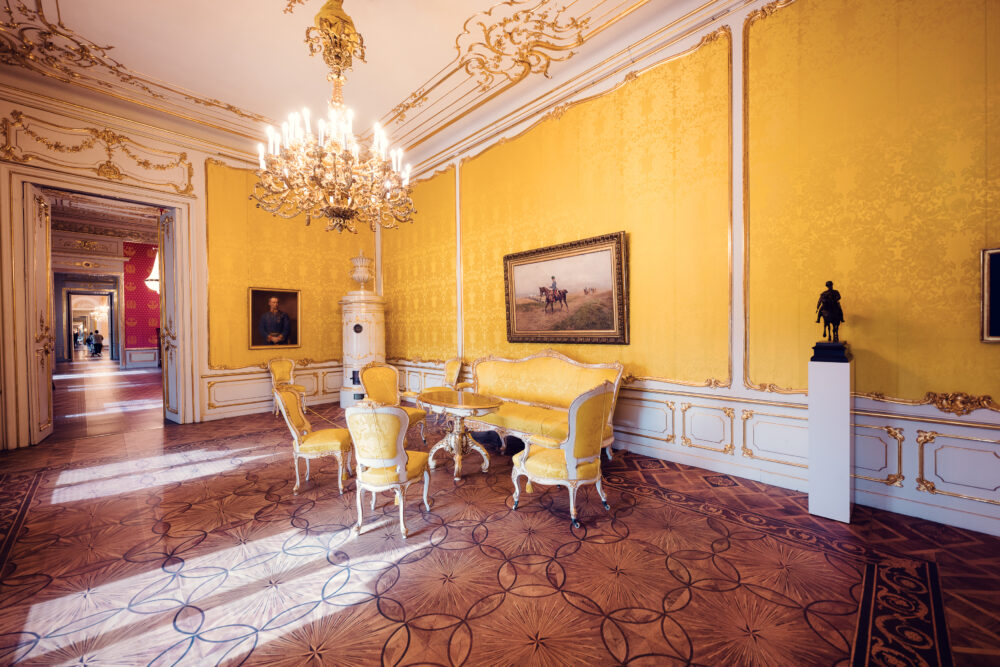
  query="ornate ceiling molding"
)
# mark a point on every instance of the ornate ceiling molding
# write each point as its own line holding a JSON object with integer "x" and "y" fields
{"x": 30, "y": 40}
{"x": 497, "y": 50}
{"x": 99, "y": 151}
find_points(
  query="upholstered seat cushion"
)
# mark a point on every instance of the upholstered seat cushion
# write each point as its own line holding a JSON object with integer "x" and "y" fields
{"x": 414, "y": 414}
{"x": 416, "y": 463}
{"x": 326, "y": 440}
{"x": 546, "y": 422}
{"x": 551, "y": 464}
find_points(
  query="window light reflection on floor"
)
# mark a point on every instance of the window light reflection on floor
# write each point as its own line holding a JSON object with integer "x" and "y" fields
{"x": 236, "y": 570}
{"x": 146, "y": 464}
{"x": 121, "y": 406}
{"x": 99, "y": 374}
{"x": 144, "y": 479}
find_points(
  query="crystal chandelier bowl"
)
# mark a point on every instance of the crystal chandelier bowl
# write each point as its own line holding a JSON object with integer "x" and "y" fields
{"x": 322, "y": 171}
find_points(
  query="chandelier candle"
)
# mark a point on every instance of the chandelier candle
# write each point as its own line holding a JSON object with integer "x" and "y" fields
{"x": 328, "y": 175}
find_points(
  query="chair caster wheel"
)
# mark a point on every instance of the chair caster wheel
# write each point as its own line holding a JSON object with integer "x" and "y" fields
{"x": 607, "y": 506}
{"x": 515, "y": 504}
{"x": 575, "y": 523}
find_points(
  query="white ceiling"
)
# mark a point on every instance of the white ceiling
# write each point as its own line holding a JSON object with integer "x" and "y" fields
{"x": 251, "y": 54}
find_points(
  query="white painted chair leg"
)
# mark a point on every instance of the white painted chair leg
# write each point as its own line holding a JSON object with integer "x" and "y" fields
{"x": 572, "y": 507}
{"x": 600, "y": 492}
{"x": 401, "y": 497}
{"x": 515, "y": 477}
{"x": 422, "y": 422}
{"x": 357, "y": 528}
{"x": 609, "y": 452}
{"x": 373, "y": 501}
{"x": 307, "y": 469}
{"x": 427, "y": 483}
{"x": 341, "y": 473}
{"x": 295, "y": 459}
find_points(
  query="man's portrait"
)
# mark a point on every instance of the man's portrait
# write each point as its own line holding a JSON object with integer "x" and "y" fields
{"x": 274, "y": 318}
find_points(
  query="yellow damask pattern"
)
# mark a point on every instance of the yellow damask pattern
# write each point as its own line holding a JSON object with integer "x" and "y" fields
{"x": 248, "y": 247}
{"x": 874, "y": 158}
{"x": 653, "y": 159}
{"x": 418, "y": 276}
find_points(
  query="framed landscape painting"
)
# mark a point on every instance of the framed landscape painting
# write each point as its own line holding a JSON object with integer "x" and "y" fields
{"x": 274, "y": 318}
{"x": 575, "y": 292}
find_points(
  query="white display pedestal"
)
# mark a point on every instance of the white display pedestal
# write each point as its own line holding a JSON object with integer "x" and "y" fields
{"x": 831, "y": 447}
{"x": 364, "y": 340}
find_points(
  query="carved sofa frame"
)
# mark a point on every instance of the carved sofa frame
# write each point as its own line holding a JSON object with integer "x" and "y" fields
{"x": 477, "y": 425}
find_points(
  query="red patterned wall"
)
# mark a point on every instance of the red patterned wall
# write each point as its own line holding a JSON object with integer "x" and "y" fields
{"x": 142, "y": 305}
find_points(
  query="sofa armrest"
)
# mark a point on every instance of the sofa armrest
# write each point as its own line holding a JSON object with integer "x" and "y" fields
{"x": 545, "y": 441}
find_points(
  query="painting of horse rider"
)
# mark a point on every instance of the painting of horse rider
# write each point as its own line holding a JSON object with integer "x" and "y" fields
{"x": 574, "y": 292}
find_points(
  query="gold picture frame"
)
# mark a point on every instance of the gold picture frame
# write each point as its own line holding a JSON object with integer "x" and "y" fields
{"x": 990, "y": 332}
{"x": 258, "y": 306}
{"x": 574, "y": 292}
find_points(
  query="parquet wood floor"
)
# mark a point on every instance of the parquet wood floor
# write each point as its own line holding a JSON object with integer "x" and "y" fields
{"x": 185, "y": 545}
{"x": 93, "y": 396}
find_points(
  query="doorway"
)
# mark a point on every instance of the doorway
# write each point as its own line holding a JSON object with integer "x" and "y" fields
{"x": 102, "y": 267}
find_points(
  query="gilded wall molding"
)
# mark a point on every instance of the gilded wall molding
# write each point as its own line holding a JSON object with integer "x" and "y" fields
{"x": 729, "y": 448}
{"x": 32, "y": 41}
{"x": 893, "y": 478}
{"x": 498, "y": 49}
{"x": 749, "y": 453}
{"x": 103, "y": 152}
{"x": 923, "y": 484}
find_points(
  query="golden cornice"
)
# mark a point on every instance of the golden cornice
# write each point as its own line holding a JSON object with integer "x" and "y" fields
{"x": 534, "y": 110}
{"x": 497, "y": 50}
{"x": 21, "y": 124}
{"x": 29, "y": 40}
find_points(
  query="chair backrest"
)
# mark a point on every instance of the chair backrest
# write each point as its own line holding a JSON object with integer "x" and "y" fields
{"x": 281, "y": 371}
{"x": 588, "y": 414}
{"x": 290, "y": 404}
{"x": 378, "y": 432}
{"x": 381, "y": 383}
{"x": 452, "y": 369}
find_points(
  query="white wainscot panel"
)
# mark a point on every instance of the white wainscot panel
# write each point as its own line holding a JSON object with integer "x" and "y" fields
{"x": 645, "y": 417}
{"x": 775, "y": 438}
{"x": 707, "y": 427}
{"x": 331, "y": 381}
{"x": 414, "y": 381}
{"x": 960, "y": 466}
{"x": 142, "y": 357}
{"x": 239, "y": 392}
{"x": 309, "y": 380}
{"x": 878, "y": 454}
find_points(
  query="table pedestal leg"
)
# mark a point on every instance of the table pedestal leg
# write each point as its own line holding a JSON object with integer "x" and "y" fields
{"x": 459, "y": 443}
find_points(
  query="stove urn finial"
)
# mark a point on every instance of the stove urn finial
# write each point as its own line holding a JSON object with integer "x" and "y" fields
{"x": 361, "y": 272}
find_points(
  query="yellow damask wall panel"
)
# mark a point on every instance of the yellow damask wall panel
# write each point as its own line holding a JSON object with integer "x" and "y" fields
{"x": 651, "y": 158}
{"x": 873, "y": 147}
{"x": 418, "y": 276}
{"x": 248, "y": 247}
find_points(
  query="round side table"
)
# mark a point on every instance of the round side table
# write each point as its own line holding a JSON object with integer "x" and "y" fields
{"x": 460, "y": 405}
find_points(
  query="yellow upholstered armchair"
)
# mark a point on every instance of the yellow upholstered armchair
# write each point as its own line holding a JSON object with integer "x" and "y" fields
{"x": 378, "y": 432}
{"x": 308, "y": 443}
{"x": 577, "y": 459}
{"x": 381, "y": 383}
{"x": 452, "y": 371}
{"x": 282, "y": 372}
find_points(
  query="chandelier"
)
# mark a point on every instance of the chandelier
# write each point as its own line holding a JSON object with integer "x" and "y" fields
{"x": 327, "y": 174}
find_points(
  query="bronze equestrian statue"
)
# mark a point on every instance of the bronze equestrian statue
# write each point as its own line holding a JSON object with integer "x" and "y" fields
{"x": 828, "y": 308}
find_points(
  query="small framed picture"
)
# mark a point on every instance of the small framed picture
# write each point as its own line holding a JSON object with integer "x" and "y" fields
{"x": 575, "y": 292}
{"x": 274, "y": 318}
{"x": 991, "y": 296}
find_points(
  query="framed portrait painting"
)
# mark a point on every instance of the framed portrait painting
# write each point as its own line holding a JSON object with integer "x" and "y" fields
{"x": 575, "y": 292}
{"x": 274, "y": 318}
{"x": 991, "y": 296}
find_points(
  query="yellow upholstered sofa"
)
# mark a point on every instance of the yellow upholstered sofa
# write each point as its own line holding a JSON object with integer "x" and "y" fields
{"x": 537, "y": 392}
